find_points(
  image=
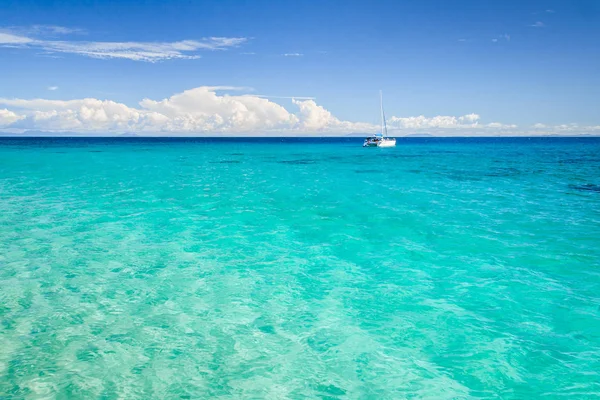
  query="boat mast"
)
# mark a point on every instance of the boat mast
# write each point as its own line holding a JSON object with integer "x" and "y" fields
{"x": 383, "y": 123}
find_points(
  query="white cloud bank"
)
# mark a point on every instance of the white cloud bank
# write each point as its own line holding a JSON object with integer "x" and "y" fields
{"x": 469, "y": 121}
{"x": 8, "y": 118}
{"x": 196, "y": 111}
{"x": 137, "y": 51}
{"x": 207, "y": 111}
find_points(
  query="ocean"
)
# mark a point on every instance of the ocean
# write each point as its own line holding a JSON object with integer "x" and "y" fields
{"x": 138, "y": 268}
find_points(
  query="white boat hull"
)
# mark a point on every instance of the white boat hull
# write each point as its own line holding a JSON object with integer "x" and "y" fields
{"x": 387, "y": 143}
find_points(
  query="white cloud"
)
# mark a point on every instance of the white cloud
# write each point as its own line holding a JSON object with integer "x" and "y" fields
{"x": 445, "y": 125}
{"x": 285, "y": 97}
{"x": 315, "y": 118}
{"x": 196, "y": 111}
{"x": 550, "y": 11}
{"x": 10, "y": 40}
{"x": 293, "y": 55}
{"x": 498, "y": 125}
{"x": 506, "y": 37}
{"x": 440, "y": 121}
{"x": 538, "y": 24}
{"x": 52, "y": 88}
{"x": 48, "y": 30}
{"x": 137, "y": 51}
{"x": 567, "y": 127}
{"x": 8, "y": 117}
{"x": 469, "y": 118}
{"x": 210, "y": 110}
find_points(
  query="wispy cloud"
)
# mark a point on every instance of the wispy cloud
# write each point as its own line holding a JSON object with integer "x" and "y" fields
{"x": 229, "y": 88}
{"x": 283, "y": 97}
{"x": 550, "y": 11}
{"x": 502, "y": 37}
{"x": 248, "y": 53}
{"x": 136, "y": 51}
{"x": 55, "y": 30}
{"x": 52, "y": 88}
{"x": 293, "y": 55}
{"x": 44, "y": 30}
{"x": 538, "y": 24}
{"x": 10, "y": 40}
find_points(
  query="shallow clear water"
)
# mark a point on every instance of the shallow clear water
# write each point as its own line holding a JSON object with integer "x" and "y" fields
{"x": 454, "y": 268}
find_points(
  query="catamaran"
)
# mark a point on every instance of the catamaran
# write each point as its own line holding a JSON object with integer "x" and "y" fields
{"x": 380, "y": 139}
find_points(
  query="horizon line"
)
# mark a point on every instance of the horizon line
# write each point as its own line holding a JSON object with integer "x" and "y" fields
{"x": 283, "y": 137}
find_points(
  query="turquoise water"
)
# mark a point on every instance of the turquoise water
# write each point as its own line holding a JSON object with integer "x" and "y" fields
{"x": 271, "y": 269}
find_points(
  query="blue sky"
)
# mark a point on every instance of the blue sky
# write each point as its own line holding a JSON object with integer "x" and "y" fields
{"x": 512, "y": 63}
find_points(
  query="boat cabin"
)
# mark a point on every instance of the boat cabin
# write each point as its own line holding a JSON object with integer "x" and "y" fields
{"x": 373, "y": 140}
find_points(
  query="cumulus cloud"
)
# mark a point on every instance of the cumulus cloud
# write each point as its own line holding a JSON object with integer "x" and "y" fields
{"x": 52, "y": 88}
{"x": 214, "y": 110}
{"x": 196, "y": 111}
{"x": 565, "y": 129}
{"x": 498, "y": 125}
{"x": 440, "y": 121}
{"x": 472, "y": 118}
{"x": 8, "y": 117}
{"x": 137, "y": 51}
{"x": 313, "y": 117}
{"x": 446, "y": 125}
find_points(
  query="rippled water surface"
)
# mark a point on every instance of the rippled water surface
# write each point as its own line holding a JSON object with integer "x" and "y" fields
{"x": 454, "y": 268}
